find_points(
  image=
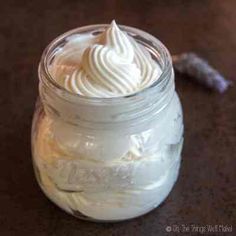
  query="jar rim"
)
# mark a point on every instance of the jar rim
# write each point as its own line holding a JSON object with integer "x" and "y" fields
{"x": 156, "y": 44}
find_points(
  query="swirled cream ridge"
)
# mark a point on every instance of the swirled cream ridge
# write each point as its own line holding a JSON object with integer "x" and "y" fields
{"x": 110, "y": 64}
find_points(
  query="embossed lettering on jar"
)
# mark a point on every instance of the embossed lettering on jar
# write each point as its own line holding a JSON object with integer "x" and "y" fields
{"x": 106, "y": 154}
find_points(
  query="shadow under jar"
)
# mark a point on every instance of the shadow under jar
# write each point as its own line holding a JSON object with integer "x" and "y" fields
{"x": 107, "y": 159}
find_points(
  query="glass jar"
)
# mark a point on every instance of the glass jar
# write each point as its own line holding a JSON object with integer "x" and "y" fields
{"x": 107, "y": 159}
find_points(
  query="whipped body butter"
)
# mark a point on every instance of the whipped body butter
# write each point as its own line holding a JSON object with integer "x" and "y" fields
{"x": 107, "y": 131}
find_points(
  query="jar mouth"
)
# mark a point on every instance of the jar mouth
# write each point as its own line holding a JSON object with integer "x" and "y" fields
{"x": 145, "y": 38}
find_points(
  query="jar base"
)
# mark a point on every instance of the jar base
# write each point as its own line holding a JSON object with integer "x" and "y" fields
{"x": 81, "y": 216}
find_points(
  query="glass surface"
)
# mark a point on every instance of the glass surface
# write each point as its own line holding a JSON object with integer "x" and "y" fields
{"x": 108, "y": 159}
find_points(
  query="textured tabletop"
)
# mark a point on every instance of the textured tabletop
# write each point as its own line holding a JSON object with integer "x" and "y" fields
{"x": 205, "y": 192}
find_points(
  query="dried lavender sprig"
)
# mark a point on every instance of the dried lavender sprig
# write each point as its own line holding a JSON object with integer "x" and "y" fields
{"x": 198, "y": 69}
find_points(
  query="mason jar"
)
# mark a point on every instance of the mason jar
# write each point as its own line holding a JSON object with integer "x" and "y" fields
{"x": 107, "y": 159}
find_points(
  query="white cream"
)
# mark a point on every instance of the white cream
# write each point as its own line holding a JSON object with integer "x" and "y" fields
{"x": 107, "y": 175}
{"x": 111, "y": 189}
{"x": 110, "y": 64}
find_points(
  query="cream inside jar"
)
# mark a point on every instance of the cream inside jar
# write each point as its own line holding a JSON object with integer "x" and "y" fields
{"x": 110, "y": 160}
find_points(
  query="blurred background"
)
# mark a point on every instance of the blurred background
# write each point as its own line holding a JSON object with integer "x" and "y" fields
{"x": 205, "y": 193}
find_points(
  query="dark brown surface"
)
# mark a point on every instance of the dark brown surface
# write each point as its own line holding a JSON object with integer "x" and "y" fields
{"x": 205, "y": 191}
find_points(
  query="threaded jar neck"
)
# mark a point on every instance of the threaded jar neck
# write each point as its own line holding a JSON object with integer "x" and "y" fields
{"x": 106, "y": 113}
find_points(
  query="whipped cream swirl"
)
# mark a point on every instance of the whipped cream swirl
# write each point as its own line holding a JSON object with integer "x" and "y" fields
{"x": 113, "y": 65}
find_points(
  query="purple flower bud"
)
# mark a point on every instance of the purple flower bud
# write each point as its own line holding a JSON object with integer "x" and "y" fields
{"x": 199, "y": 70}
